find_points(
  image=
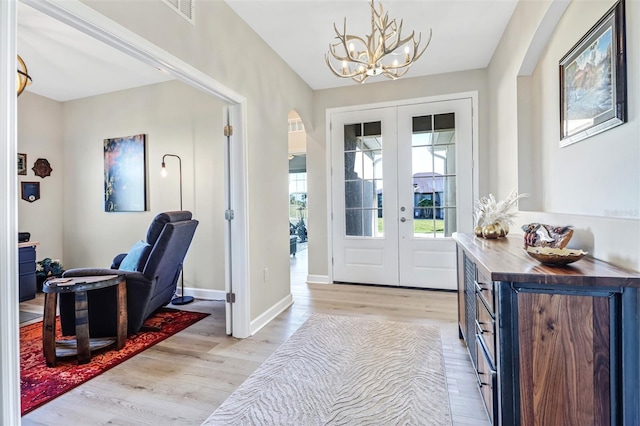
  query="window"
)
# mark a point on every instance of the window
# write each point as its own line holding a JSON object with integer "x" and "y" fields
{"x": 297, "y": 196}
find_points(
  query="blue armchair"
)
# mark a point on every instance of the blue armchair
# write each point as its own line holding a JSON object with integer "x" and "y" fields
{"x": 151, "y": 268}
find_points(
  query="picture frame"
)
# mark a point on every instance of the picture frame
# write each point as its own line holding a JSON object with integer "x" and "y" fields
{"x": 125, "y": 174}
{"x": 22, "y": 163}
{"x": 593, "y": 80}
{"x": 30, "y": 191}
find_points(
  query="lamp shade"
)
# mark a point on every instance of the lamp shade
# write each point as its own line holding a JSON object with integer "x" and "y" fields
{"x": 23, "y": 79}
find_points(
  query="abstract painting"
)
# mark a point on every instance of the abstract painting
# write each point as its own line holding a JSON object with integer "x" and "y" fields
{"x": 125, "y": 188}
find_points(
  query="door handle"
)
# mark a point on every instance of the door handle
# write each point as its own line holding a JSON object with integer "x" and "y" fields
{"x": 402, "y": 219}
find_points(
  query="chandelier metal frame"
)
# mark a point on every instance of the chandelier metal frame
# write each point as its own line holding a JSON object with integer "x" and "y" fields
{"x": 362, "y": 58}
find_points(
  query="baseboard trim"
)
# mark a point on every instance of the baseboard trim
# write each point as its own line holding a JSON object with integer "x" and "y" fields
{"x": 318, "y": 279}
{"x": 270, "y": 314}
{"x": 204, "y": 293}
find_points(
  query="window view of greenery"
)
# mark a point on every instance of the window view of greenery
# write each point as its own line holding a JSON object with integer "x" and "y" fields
{"x": 434, "y": 175}
{"x": 297, "y": 196}
{"x": 427, "y": 227}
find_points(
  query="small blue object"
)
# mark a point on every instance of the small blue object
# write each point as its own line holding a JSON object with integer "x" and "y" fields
{"x": 132, "y": 259}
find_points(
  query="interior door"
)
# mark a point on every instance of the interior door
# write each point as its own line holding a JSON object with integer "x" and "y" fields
{"x": 435, "y": 190}
{"x": 401, "y": 185}
{"x": 364, "y": 222}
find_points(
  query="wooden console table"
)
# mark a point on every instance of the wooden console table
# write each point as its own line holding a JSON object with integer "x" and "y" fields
{"x": 83, "y": 343}
{"x": 551, "y": 345}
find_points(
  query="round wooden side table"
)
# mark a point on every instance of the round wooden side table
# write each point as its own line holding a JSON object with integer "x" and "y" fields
{"x": 82, "y": 345}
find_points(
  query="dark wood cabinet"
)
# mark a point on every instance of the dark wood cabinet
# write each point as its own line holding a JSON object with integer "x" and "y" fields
{"x": 27, "y": 271}
{"x": 551, "y": 345}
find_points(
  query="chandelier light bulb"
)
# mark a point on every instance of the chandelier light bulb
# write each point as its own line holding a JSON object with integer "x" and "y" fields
{"x": 406, "y": 54}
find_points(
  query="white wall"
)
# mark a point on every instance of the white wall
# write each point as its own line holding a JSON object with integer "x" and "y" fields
{"x": 602, "y": 171}
{"x": 593, "y": 184}
{"x": 40, "y": 136}
{"x": 177, "y": 119}
{"x": 223, "y": 46}
{"x": 369, "y": 93}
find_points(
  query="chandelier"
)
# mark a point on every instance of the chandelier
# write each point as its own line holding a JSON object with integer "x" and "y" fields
{"x": 23, "y": 79}
{"x": 359, "y": 59}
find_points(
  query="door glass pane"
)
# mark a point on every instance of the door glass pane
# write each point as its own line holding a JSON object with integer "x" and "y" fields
{"x": 353, "y": 220}
{"x": 449, "y": 192}
{"x": 352, "y": 134}
{"x": 352, "y": 194}
{"x": 433, "y": 172}
{"x": 352, "y": 165}
{"x": 370, "y": 200}
{"x": 422, "y": 160}
{"x": 372, "y": 129}
{"x": 372, "y": 167}
{"x": 422, "y": 124}
{"x": 363, "y": 179}
{"x": 444, "y": 158}
{"x": 444, "y": 121}
{"x": 449, "y": 217}
{"x": 444, "y": 137}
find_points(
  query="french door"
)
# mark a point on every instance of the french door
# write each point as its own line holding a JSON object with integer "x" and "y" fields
{"x": 402, "y": 180}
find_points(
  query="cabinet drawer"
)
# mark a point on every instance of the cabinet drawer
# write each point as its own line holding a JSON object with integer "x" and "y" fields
{"x": 487, "y": 382}
{"x": 486, "y": 329}
{"x": 26, "y": 268}
{"x": 27, "y": 254}
{"x": 484, "y": 287}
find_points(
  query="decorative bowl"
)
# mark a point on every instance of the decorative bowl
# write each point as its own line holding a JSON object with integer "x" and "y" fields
{"x": 542, "y": 235}
{"x": 555, "y": 256}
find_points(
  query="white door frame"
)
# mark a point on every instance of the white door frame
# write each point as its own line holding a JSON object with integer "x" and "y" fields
{"x": 82, "y": 17}
{"x": 9, "y": 326}
{"x": 473, "y": 95}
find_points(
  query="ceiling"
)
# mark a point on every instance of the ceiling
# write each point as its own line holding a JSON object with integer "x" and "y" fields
{"x": 66, "y": 64}
{"x": 465, "y": 32}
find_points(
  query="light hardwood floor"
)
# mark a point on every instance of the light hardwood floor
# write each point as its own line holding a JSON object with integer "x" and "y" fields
{"x": 183, "y": 379}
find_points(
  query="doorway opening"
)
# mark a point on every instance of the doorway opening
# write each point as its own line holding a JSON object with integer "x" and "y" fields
{"x": 298, "y": 213}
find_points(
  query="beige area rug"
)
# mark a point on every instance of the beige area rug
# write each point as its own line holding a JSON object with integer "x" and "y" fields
{"x": 346, "y": 371}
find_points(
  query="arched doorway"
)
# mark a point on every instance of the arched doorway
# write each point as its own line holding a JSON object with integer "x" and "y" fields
{"x": 298, "y": 212}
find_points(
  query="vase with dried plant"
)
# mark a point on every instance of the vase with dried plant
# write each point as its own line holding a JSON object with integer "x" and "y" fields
{"x": 492, "y": 218}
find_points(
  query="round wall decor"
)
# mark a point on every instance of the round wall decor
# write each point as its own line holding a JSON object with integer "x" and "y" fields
{"x": 42, "y": 168}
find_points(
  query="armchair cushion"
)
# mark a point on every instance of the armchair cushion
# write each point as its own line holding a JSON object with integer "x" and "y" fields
{"x": 136, "y": 258}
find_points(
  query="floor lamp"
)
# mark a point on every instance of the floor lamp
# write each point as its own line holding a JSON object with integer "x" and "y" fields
{"x": 182, "y": 300}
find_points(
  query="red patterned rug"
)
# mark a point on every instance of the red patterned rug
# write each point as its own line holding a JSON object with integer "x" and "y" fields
{"x": 40, "y": 384}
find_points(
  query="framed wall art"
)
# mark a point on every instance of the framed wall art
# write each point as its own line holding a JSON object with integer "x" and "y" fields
{"x": 593, "y": 80}
{"x": 125, "y": 174}
{"x": 30, "y": 191}
{"x": 22, "y": 164}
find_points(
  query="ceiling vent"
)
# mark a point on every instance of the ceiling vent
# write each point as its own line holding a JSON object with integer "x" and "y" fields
{"x": 183, "y": 8}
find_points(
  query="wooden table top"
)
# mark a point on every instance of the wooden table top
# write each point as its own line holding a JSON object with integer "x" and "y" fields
{"x": 29, "y": 244}
{"x": 504, "y": 259}
{"x": 76, "y": 284}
